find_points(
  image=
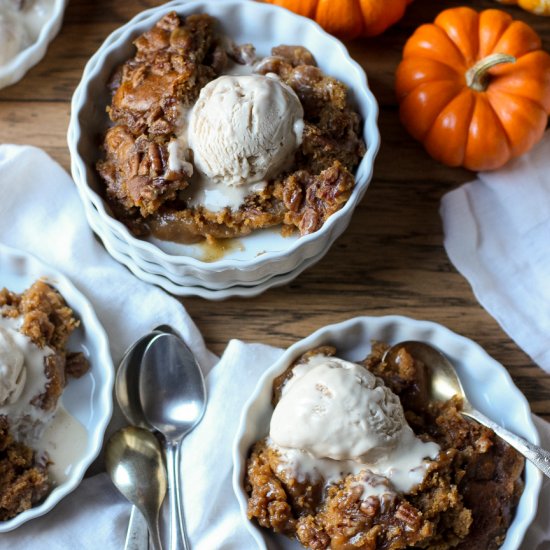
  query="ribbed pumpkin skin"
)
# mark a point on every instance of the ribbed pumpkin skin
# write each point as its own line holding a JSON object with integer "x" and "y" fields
{"x": 538, "y": 7}
{"x": 460, "y": 126}
{"x": 349, "y": 19}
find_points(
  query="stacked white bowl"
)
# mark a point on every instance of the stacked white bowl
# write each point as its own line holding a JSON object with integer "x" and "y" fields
{"x": 253, "y": 263}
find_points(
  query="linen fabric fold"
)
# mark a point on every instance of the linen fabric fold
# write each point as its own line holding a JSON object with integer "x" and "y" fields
{"x": 497, "y": 234}
{"x": 41, "y": 213}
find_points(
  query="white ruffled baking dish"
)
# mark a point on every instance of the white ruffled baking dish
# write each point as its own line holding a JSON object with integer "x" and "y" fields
{"x": 89, "y": 398}
{"x": 264, "y": 253}
{"x": 486, "y": 382}
{"x": 189, "y": 285}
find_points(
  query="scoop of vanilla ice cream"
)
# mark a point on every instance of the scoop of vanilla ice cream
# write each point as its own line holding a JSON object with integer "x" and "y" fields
{"x": 335, "y": 409}
{"x": 12, "y": 368}
{"x": 244, "y": 129}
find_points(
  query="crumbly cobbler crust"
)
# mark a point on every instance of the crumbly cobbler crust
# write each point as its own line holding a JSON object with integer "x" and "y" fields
{"x": 173, "y": 61}
{"x": 23, "y": 482}
{"x": 47, "y": 321}
{"x": 466, "y": 501}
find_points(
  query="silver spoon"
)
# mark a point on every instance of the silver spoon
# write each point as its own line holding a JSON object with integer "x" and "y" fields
{"x": 445, "y": 384}
{"x": 133, "y": 459}
{"x": 127, "y": 394}
{"x": 127, "y": 378}
{"x": 173, "y": 397}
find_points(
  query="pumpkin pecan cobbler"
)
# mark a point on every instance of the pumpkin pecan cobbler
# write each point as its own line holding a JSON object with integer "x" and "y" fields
{"x": 357, "y": 456}
{"x": 209, "y": 140}
{"x": 34, "y": 367}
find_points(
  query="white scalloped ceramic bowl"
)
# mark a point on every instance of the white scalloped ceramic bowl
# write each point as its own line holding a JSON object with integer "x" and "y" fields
{"x": 186, "y": 285}
{"x": 486, "y": 382}
{"x": 88, "y": 399}
{"x": 15, "y": 70}
{"x": 264, "y": 253}
{"x": 190, "y": 286}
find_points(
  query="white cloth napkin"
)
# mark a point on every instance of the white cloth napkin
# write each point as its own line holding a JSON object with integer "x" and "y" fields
{"x": 40, "y": 212}
{"x": 497, "y": 234}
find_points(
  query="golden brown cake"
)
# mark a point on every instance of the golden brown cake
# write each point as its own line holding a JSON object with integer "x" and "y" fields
{"x": 153, "y": 91}
{"x": 23, "y": 481}
{"x": 466, "y": 499}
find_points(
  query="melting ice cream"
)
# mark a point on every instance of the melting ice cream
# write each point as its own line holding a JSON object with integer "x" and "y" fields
{"x": 242, "y": 131}
{"x": 336, "y": 418}
{"x": 22, "y": 380}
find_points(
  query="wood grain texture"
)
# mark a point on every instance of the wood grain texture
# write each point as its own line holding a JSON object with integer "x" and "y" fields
{"x": 391, "y": 259}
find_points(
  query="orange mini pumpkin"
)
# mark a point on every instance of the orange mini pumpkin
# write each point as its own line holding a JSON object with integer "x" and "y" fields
{"x": 474, "y": 88}
{"x": 349, "y": 18}
{"x": 539, "y": 7}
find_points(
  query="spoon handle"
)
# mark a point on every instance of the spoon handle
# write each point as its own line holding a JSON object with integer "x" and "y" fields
{"x": 137, "y": 536}
{"x": 153, "y": 524}
{"x": 537, "y": 455}
{"x": 178, "y": 535}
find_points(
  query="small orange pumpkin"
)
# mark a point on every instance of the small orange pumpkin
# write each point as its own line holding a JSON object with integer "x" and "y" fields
{"x": 474, "y": 88}
{"x": 349, "y": 18}
{"x": 539, "y": 7}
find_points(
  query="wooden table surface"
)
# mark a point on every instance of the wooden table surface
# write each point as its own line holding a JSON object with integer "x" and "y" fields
{"x": 391, "y": 259}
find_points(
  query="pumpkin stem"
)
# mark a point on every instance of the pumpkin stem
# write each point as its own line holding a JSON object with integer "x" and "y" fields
{"x": 477, "y": 77}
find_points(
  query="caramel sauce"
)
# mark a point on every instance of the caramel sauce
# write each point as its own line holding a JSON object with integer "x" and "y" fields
{"x": 173, "y": 229}
{"x": 166, "y": 229}
{"x": 216, "y": 249}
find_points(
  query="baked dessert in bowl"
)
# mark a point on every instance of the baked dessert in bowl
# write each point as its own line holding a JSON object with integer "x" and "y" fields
{"x": 26, "y": 29}
{"x": 286, "y": 175}
{"x": 55, "y": 387}
{"x": 347, "y": 449}
{"x": 211, "y": 141}
{"x": 35, "y": 326}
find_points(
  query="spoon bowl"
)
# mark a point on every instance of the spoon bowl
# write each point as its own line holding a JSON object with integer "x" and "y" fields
{"x": 173, "y": 398}
{"x": 171, "y": 386}
{"x": 444, "y": 381}
{"x": 127, "y": 378}
{"x": 127, "y": 381}
{"x": 133, "y": 459}
{"x": 444, "y": 384}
